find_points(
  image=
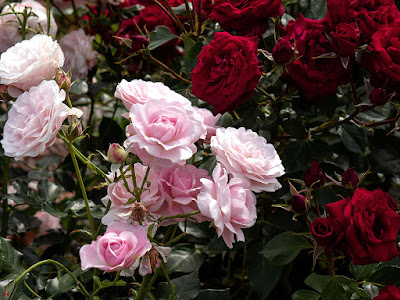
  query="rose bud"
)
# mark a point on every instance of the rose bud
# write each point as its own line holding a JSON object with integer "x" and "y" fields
{"x": 327, "y": 231}
{"x": 282, "y": 51}
{"x": 314, "y": 174}
{"x": 378, "y": 97}
{"x": 350, "y": 178}
{"x": 298, "y": 203}
{"x": 345, "y": 39}
{"x": 116, "y": 153}
{"x": 139, "y": 42}
{"x": 63, "y": 79}
{"x": 74, "y": 131}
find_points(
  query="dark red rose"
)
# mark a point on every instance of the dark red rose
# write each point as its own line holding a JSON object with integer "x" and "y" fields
{"x": 151, "y": 16}
{"x": 227, "y": 71}
{"x": 314, "y": 174}
{"x": 245, "y": 16}
{"x": 390, "y": 292}
{"x": 315, "y": 75}
{"x": 283, "y": 51}
{"x": 382, "y": 57}
{"x": 350, "y": 178}
{"x": 379, "y": 96}
{"x": 391, "y": 202}
{"x": 373, "y": 226}
{"x": 369, "y": 15}
{"x": 327, "y": 231}
{"x": 298, "y": 203}
{"x": 206, "y": 7}
{"x": 345, "y": 39}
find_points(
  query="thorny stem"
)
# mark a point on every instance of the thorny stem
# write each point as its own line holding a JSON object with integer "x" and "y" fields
{"x": 168, "y": 69}
{"x": 6, "y": 208}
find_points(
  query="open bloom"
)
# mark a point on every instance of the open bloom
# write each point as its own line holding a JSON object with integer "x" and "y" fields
{"x": 30, "y": 62}
{"x": 231, "y": 206}
{"x": 248, "y": 156}
{"x": 118, "y": 249}
{"x": 34, "y": 120}
{"x": 163, "y": 132}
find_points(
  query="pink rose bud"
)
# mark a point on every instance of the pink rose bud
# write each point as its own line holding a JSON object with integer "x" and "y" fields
{"x": 378, "y": 97}
{"x": 314, "y": 174}
{"x": 63, "y": 80}
{"x": 350, "y": 178}
{"x": 298, "y": 203}
{"x": 116, "y": 154}
{"x": 283, "y": 51}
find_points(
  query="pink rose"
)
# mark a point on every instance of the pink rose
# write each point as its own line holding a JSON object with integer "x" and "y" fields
{"x": 179, "y": 187}
{"x": 119, "y": 195}
{"x": 118, "y": 249}
{"x": 209, "y": 120}
{"x": 30, "y": 62}
{"x": 79, "y": 54}
{"x": 246, "y": 155}
{"x": 10, "y": 32}
{"x": 34, "y": 120}
{"x": 231, "y": 206}
{"x": 163, "y": 132}
{"x": 140, "y": 91}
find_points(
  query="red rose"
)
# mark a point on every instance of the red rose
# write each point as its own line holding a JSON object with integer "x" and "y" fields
{"x": 227, "y": 71}
{"x": 327, "y": 231}
{"x": 390, "y": 292}
{"x": 314, "y": 174}
{"x": 379, "y": 97}
{"x": 314, "y": 75}
{"x": 350, "y": 178}
{"x": 245, "y": 16}
{"x": 298, "y": 203}
{"x": 283, "y": 51}
{"x": 373, "y": 226}
{"x": 382, "y": 58}
{"x": 345, "y": 39}
{"x": 369, "y": 15}
{"x": 151, "y": 16}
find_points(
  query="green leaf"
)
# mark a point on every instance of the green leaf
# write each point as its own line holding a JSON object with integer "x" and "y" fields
{"x": 213, "y": 295}
{"x": 48, "y": 191}
{"x": 297, "y": 156}
{"x": 318, "y": 9}
{"x": 61, "y": 285}
{"x": 334, "y": 291}
{"x": 363, "y": 272}
{"x": 184, "y": 260}
{"x": 160, "y": 36}
{"x": 283, "y": 248}
{"x": 79, "y": 87}
{"x": 353, "y": 137}
{"x": 305, "y": 295}
{"x": 10, "y": 259}
{"x": 262, "y": 275}
{"x": 192, "y": 50}
{"x": 317, "y": 282}
{"x": 187, "y": 287}
{"x": 386, "y": 275}
{"x": 181, "y": 9}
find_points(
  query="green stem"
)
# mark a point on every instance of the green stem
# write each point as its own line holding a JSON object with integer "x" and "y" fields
{"x": 179, "y": 216}
{"x": 48, "y": 16}
{"x": 101, "y": 224}
{"x": 80, "y": 287}
{"x": 83, "y": 189}
{"x": 175, "y": 239}
{"x": 32, "y": 291}
{"x": 145, "y": 282}
{"x": 6, "y": 207}
{"x": 171, "y": 287}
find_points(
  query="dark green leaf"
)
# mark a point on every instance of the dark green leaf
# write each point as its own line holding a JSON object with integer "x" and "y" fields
{"x": 283, "y": 248}
{"x": 10, "y": 259}
{"x": 262, "y": 275}
{"x": 184, "y": 260}
{"x": 317, "y": 282}
{"x": 181, "y": 9}
{"x": 334, "y": 291}
{"x": 187, "y": 287}
{"x": 213, "y": 295}
{"x": 353, "y": 137}
{"x": 48, "y": 191}
{"x": 305, "y": 295}
{"x": 297, "y": 156}
{"x": 160, "y": 36}
{"x": 363, "y": 272}
{"x": 190, "y": 57}
{"x": 61, "y": 285}
{"x": 386, "y": 275}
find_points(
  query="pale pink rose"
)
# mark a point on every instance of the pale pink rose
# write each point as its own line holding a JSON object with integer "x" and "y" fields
{"x": 179, "y": 187}
{"x": 140, "y": 91}
{"x": 34, "y": 120}
{"x": 49, "y": 222}
{"x": 30, "y": 62}
{"x": 10, "y": 32}
{"x": 163, "y": 132}
{"x": 209, "y": 120}
{"x": 79, "y": 54}
{"x": 231, "y": 206}
{"x": 246, "y": 155}
{"x": 119, "y": 195}
{"x": 65, "y": 4}
{"x": 118, "y": 249}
